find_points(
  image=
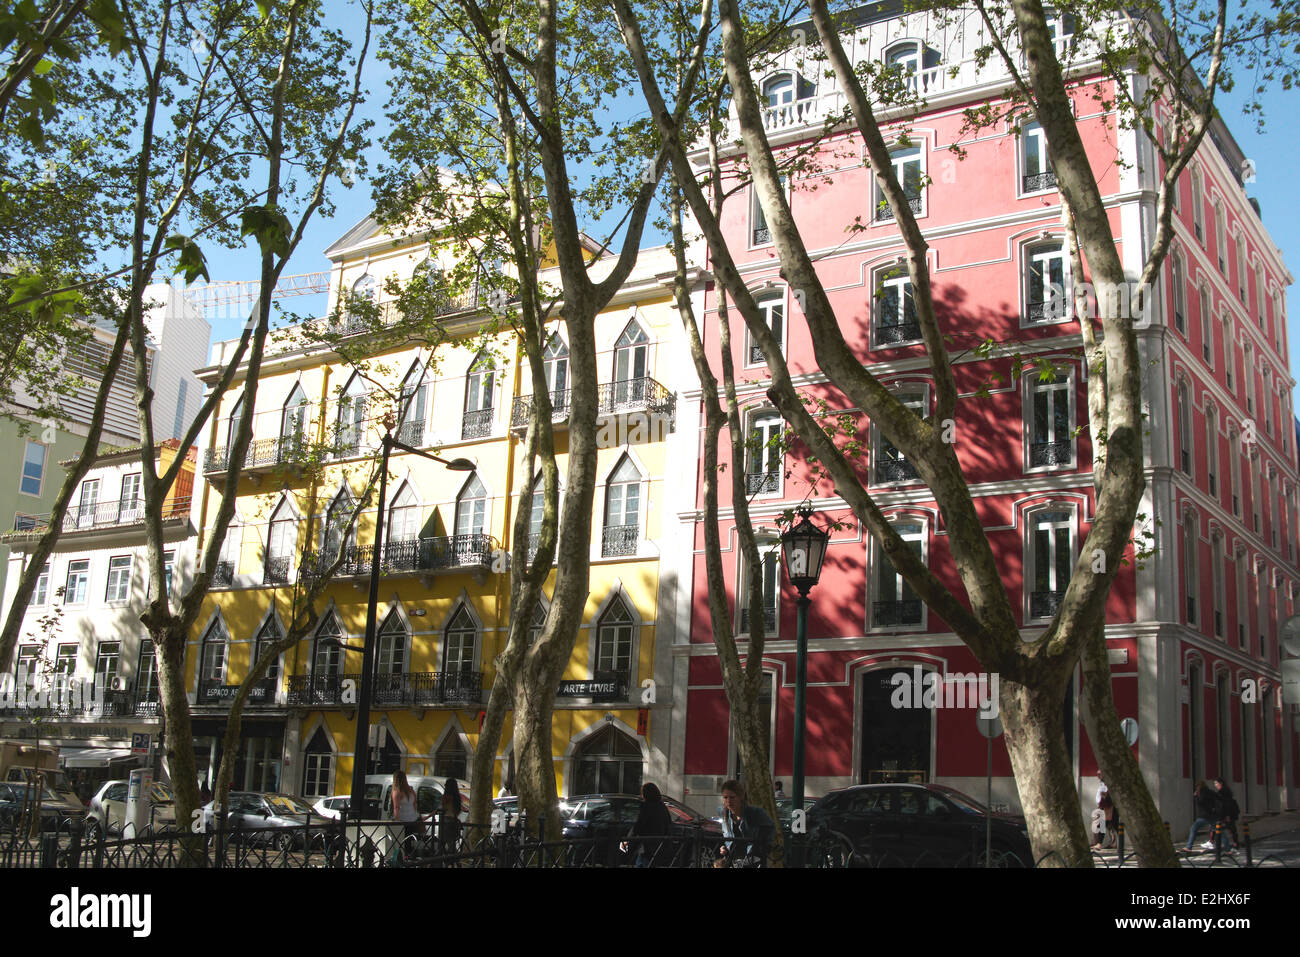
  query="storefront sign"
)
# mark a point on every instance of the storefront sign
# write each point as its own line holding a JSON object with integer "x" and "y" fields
{"x": 606, "y": 686}
{"x": 258, "y": 692}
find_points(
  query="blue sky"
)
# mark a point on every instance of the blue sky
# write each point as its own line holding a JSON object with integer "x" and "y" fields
{"x": 1277, "y": 187}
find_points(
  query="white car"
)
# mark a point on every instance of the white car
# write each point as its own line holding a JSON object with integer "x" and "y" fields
{"x": 332, "y": 807}
{"x": 108, "y": 807}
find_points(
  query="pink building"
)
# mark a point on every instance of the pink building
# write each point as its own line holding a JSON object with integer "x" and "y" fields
{"x": 1193, "y": 630}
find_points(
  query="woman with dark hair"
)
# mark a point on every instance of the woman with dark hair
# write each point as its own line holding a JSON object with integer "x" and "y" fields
{"x": 449, "y": 824}
{"x": 1229, "y": 808}
{"x": 653, "y": 821}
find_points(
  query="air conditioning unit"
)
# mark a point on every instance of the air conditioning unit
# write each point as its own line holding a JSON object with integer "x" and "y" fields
{"x": 119, "y": 684}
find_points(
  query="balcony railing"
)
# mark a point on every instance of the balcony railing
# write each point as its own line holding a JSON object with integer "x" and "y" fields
{"x": 1045, "y": 604}
{"x": 769, "y": 620}
{"x": 1032, "y": 182}
{"x": 1049, "y": 310}
{"x": 762, "y": 483}
{"x": 522, "y": 409}
{"x": 616, "y": 540}
{"x": 1050, "y": 453}
{"x": 102, "y": 515}
{"x": 762, "y": 236}
{"x": 884, "y": 213}
{"x": 906, "y": 611}
{"x": 476, "y": 425}
{"x": 408, "y": 690}
{"x": 262, "y": 453}
{"x": 406, "y": 556}
{"x": 276, "y": 570}
{"x": 223, "y": 576}
{"x": 116, "y": 704}
{"x": 895, "y": 470}
{"x": 635, "y": 395}
{"x": 411, "y": 433}
{"x": 898, "y": 332}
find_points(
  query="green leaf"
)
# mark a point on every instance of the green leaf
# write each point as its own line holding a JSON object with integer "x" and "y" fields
{"x": 269, "y": 226}
{"x": 264, "y": 8}
{"x": 191, "y": 262}
{"x": 43, "y": 67}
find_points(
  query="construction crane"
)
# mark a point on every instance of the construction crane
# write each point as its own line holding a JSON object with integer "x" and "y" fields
{"x": 207, "y": 295}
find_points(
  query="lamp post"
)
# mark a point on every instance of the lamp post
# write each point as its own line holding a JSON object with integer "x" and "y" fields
{"x": 803, "y": 548}
{"x": 362, "y": 743}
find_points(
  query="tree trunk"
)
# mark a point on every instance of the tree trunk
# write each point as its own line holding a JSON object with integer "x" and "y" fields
{"x": 534, "y": 764}
{"x": 170, "y": 651}
{"x": 1035, "y": 737}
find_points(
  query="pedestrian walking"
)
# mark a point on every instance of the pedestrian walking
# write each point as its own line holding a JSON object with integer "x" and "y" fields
{"x": 449, "y": 823}
{"x": 406, "y": 813}
{"x": 1207, "y": 813}
{"x": 652, "y": 821}
{"x": 1229, "y": 809}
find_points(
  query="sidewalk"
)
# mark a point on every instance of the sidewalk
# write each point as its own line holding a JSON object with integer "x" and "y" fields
{"x": 1262, "y": 826}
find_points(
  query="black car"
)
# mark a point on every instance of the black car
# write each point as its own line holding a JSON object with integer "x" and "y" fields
{"x": 914, "y": 825}
{"x": 606, "y": 819}
{"x": 57, "y": 813}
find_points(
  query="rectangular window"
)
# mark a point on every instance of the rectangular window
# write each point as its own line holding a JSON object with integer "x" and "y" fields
{"x": 119, "y": 578}
{"x": 896, "y": 321}
{"x": 1050, "y": 441}
{"x": 32, "y": 479}
{"x": 65, "y": 666}
{"x": 146, "y": 681}
{"x": 1207, "y": 334}
{"x": 87, "y": 504}
{"x": 1241, "y": 272}
{"x": 78, "y": 583}
{"x": 907, "y": 169}
{"x": 129, "y": 504}
{"x": 1220, "y": 596}
{"x": 771, "y": 591}
{"x": 1047, "y": 294}
{"x": 1180, "y": 294}
{"x": 41, "y": 594}
{"x": 1191, "y": 577}
{"x": 772, "y": 308}
{"x": 169, "y": 563}
{"x": 28, "y": 663}
{"x": 893, "y": 603}
{"x": 1053, "y": 558}
{"x": 766, "y": 456}
{"x": 106, "y": 663}
{"x": 891, "y": 466}
{"x": 1036, "y": 171}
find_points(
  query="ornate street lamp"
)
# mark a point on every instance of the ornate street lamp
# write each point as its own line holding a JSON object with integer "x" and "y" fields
{"x": 803, "y": 548}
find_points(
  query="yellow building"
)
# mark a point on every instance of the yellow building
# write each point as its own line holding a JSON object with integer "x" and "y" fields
{"x": 443, "y": 610}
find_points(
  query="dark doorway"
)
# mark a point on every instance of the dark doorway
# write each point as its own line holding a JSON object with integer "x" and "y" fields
{"x": 386, "y": 757}
{"x": 895, "y": 741}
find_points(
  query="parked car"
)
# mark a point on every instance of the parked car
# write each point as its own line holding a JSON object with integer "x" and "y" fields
{"x": 607, "y": 818}
{"x": 428, "y": 794}
{"x": 906, "y": 825}
{"x": 108, "y": 807}
{"x": 334, "y": 808}
{"x": 56, "y": 811}
{"x": 278, "y": 820}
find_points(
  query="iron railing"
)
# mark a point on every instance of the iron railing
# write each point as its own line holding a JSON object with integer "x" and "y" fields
{"x": 223, "y": 575}
{"x": 897, "y": 332}
{"x": 411, "y": 433}
{"x": 522, "y": 409}
{"x": 895, "y": 470}
{"x": 101, "y": 515}
{"x": 906, "y": 611}
{"x": 884, "y": 213}
{"x": 276, "y": 570}
{"x": 1045, "y": 604}
{"x": 616, "y": 540}
{"x": 405, "y": 556}
{"x": 407, "y": 690}
{"x": 769, "y": 620}
{"x": 477, "y": 425}
{"x": 635, "y": 395}
{"x": 113, "y": 704}
{"x": 1032, "y": 182}
{"x": 1051, "y": 453}
{"x": 761, "y": 483}
{"x": 262, "y": 453}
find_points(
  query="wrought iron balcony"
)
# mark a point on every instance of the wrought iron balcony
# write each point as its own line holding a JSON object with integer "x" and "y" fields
{"x": 906, "y": 611}
{"x": 1045, "y": 604}
{"x": 762, "y": 236}
{"x": 1033, "y": 182}
{"x": 884, "y": 213}
{"x": 407, "y": 690}
{"x": 408, "y": 556}
{"x": 261, "y": 454}
{"x": 223, "y": 575}
{"x": 895, "y": 470}
{"x": 522, "y": 409}
{"x": 769, "y": 620}
{"x": 762, "y": 483}
{"x": 635, "y": 395}
{"x": 100, "y": 516}
{"x": 898, "y": 332}
{"x": 619, "y": 540}
{"x": 1050, "y": 453}
{"x": 411, "y": 433}
{"x": 476, "y": 425}
{"x": 1049, "y": 310}
{"x": 115, "y": 704}
{"x": 276, "y": 570}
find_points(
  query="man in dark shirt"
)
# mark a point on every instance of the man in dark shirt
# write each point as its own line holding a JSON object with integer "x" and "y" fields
{"x": 749, "y": 824}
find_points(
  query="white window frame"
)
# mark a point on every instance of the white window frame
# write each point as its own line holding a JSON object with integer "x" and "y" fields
{"x": 462, "y": 608}
{"x": 1220, "y": 589}
{"x": 1207, "y": 328}
{"x": 897, "y": 279}
{"x": 117, "y": 588}
{"x": 1229, "y": 354}
{"x": 1198, "y": 205}
{"x": 757, "y": 216}
{"x": 639, "y": 484}
{"x": 23, "y": 477}
{"x": 41, "y": 593}
{"x": 915, "y": 396}
{"x": 1067, "y": 525}
{"x": 770, "y": 304}
{"x": 1045, "y": 251}
{"x": 877, "y": 559}
{"x": 1186, "y": 461}
{"x": 1235, "y": 452}
{"x": 1189, "y": 540}
{"x": 1212, "y": 448}
{"x": 1179, "y": 281}
{"x": 900, "y": 157}
{"x": 632, "y": 626}
{"x": 1032, "y": 131}
{"x": 1064, "y": 383}
{"x": 212, "y": 669}
{"x": 764, "y": 421}
{"x": 771, "y": 591}
{"x": 1242, "y": 562}
{"x": 70, "y": 594}
{"x": 1221, "y": 237}
{"x": 1243, "y": 286}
